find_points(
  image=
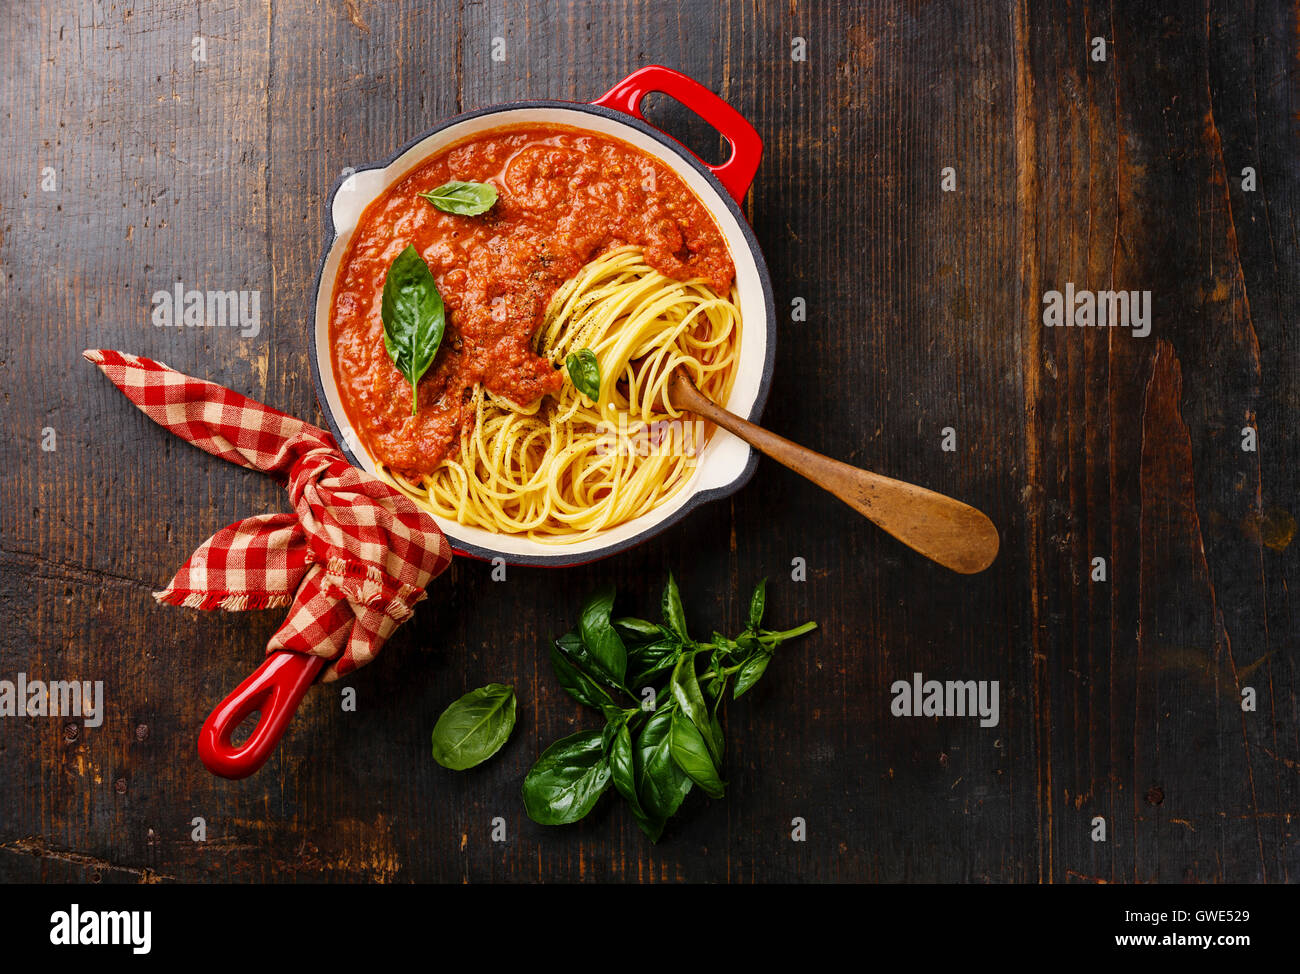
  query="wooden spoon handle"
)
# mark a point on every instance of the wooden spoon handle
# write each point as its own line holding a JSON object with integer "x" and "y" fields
{"x": 947, "y": 531}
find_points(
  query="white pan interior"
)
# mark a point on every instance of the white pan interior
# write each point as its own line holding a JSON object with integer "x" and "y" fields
{"x": 723, "y": 459}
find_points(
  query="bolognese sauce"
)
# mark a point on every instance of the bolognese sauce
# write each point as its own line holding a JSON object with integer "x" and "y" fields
{"x": 565, "y": 196}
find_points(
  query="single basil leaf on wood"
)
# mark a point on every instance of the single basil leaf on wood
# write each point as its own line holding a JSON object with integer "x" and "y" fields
{"x": 461, "y": 198}
{"x": 691, "y": 751}
{"x": 686, "y": 691}
{"x": 660, "y": 783}
{"x": 567, "y": 780}
{"x": 674, "y": 617}
{"x": 580, "y": 686}
{"x": 475, "y": 727}
{"x": 756, "y": 605}
{"x": 599, "y": 636}
{"x": 584, "y": 370}
{"x": 414, "y": 318}
{"x": 750, "y": 671}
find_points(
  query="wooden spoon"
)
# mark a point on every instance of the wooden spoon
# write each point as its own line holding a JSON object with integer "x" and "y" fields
{"x": 944, "y": 530}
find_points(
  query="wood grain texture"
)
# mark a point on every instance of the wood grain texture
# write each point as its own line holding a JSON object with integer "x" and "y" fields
{"x": 1119, "y": 699}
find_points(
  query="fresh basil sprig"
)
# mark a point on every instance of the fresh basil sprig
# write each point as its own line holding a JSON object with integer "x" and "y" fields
{"x": 653, "y": 759}
{"x": 461, "y": 198}
{"x": 584, "y": 370}
{"x": 414, "y": 318}
{"x": 475, "y": 727}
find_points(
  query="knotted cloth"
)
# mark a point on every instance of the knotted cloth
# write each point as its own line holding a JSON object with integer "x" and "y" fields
{"x": 351, "y": 560}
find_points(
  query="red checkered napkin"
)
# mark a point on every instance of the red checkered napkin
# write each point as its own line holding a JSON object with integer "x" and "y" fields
{"x": 351, "y": 560}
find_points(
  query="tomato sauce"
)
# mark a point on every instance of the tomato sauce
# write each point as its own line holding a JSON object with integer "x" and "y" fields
{"x": 565, "y": 197}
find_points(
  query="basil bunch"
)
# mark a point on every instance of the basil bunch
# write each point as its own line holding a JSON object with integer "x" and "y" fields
{"x": 654, "y": 758}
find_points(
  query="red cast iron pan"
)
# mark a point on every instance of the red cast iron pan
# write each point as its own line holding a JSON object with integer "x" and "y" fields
{"x": 277, "y": 686}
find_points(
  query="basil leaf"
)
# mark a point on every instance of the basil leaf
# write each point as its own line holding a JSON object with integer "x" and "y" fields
{"x": 686, "y": 691}
{"x": 750, "y": 672}
{"x": 584, "y": 370}
{"x": 660, "y": 783}
{"x": 722, "y": 646}
{"x": 580, "y": 686}
{"x": 622, "y": 761}
{"x": 463, "y": 199}
{"x": 718, "y": 664}
{"x": 572, "y": 646}
{"x": 637, "y": 630}
{"x": 623, "y": 765}
{"x": 414, "y": 318}
{"x": 674, "y": 617}
{"x": 653, "y": 827}
{"x": 614, "y": 720}
{"x": 651, "y": 659}
{"x": 599, "y": 636}
{"x": 475, "y": 727}
{"x": 691, "y": 751}
{"x": 756, "y": 605}
{"x": 567, "y": 780}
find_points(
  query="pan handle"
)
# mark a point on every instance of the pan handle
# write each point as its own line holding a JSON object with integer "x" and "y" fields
{"x": 275, "y": 688}
{"x": 738, "y": 171}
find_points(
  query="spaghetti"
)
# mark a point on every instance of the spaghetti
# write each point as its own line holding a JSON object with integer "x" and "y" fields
{"x": 564, "y": 466}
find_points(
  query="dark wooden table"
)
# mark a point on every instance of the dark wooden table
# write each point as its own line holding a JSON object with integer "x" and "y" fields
{"x": 1121, "y": 699}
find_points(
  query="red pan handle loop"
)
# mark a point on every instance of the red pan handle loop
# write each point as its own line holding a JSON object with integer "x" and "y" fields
{"x": 275, "y": 688}
{"x": 738, "y": 171}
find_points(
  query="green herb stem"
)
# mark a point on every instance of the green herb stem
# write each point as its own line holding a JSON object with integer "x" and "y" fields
{"x": 787, "y": 634}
